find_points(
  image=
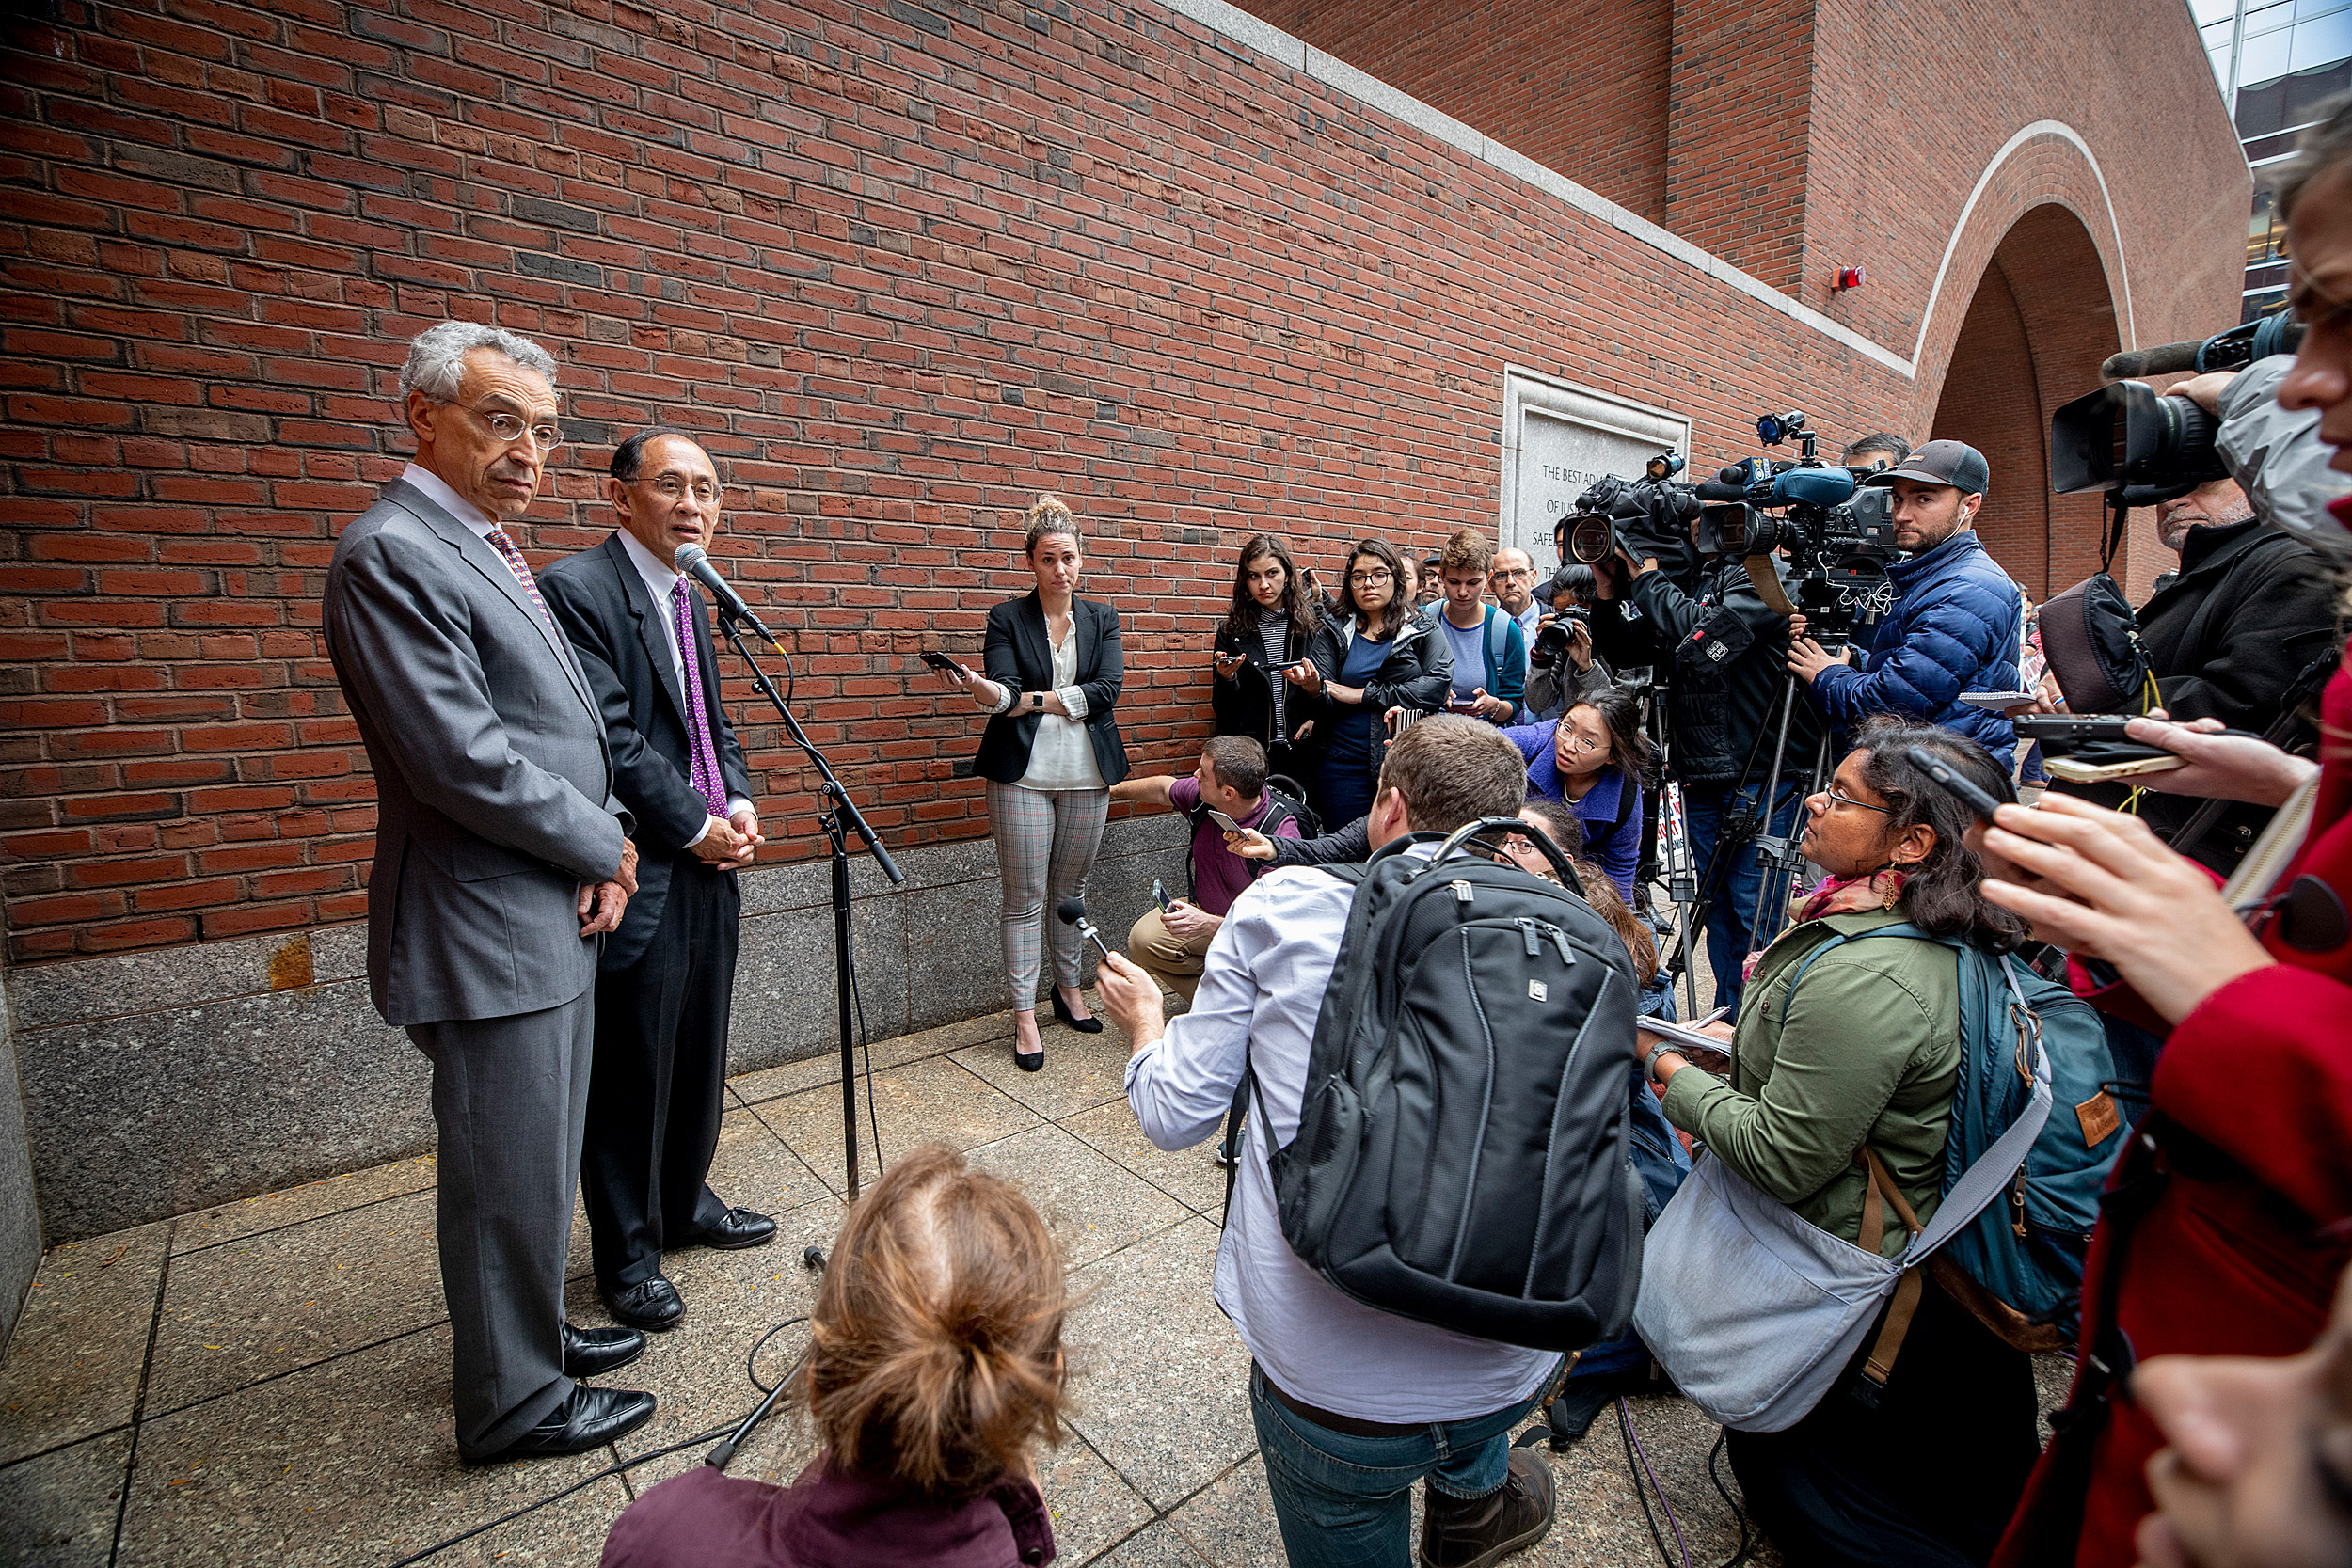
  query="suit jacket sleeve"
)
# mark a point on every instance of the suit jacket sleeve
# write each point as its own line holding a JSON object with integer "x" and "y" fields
{"x": 649, "y": 785}
{"x": 413, "y": 663}
{"x": 997, "y": 659}
{"x": 1110, "y": 663}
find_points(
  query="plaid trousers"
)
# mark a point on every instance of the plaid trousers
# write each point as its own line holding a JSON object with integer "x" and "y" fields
{"x": 1045, "y": 844}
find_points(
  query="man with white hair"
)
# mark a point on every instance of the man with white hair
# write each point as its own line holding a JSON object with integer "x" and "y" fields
{"x": 502, "y": 860}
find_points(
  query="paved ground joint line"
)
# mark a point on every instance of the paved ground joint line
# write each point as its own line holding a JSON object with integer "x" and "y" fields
{"x": 138, "y": 1404}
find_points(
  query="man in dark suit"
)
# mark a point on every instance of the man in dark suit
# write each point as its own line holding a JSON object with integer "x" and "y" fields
{"x": 502, "y": 860}
{"x": 667, "y": 978}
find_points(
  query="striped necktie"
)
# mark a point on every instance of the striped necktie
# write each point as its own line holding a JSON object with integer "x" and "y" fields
{"x": 704, "y": 775}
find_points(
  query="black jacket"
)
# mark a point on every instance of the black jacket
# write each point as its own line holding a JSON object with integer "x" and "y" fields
{"x": 1724, "y": 657}
{"x": 1017, "y": 655}
{"x": 602, "y": 601}
{"x": 2251, "y": 609}
{"x": 1418, "y": 674}
{"x": 1244, "y": 705}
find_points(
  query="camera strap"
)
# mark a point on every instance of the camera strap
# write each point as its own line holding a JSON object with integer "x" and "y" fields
{"x": 2114, "y": 539}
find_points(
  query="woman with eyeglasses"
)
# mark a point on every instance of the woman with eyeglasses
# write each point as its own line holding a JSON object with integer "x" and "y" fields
{"x": 1260, "y": 656}
{"x": 1594, "y": 760}
{"x": 1050, "y": 754}
{"x": 1866, "y": 1056}
{"x": 1377, "y": 654}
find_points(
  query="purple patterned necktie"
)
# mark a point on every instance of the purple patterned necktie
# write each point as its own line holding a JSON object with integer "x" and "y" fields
{"x": 704, "y": 776}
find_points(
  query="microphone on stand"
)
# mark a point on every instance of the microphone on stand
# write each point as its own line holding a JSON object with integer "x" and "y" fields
{"x": 694, "y": 562}
{"x": 1072, "y": 911}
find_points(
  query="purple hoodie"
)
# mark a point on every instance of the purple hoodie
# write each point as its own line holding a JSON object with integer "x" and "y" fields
{"x": 827, "y": 1519}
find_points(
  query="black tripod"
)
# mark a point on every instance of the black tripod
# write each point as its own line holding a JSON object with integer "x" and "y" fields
{"x": 1779, "y": 853}
{"x": 839, "y": 819}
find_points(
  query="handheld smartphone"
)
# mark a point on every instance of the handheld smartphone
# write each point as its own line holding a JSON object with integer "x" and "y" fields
{"x": 2082, "y": 770}
{"x": 938, "y": 660}
{"x": 1971, "y": 794}
{"x": 1997, "y": 701}
{"x": 2063, "y": 732}
{"x": 1159, "y": 897}
{"x": 1224, "y": 821}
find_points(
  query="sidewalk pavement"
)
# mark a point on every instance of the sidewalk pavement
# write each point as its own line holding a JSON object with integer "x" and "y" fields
{"x": 268, "y": 1381}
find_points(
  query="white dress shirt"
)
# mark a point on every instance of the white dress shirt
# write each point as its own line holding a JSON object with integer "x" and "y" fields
{"x": 660, "y": 580}
{"x": 436, "y": 489}
{"x": 1258, "y": 997}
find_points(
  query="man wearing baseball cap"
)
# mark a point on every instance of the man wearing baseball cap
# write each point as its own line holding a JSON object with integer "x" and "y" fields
{"x": 1957, "y": 616}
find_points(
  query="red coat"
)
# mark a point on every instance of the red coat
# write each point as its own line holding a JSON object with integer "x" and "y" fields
{"x": 2243, "y": 1181}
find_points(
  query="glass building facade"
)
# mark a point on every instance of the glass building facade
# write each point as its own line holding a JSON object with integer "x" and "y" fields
{"x": 2278, "y": 63}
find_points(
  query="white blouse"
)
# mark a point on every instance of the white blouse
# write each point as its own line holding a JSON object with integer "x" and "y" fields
{"x": 1062, "y": 755}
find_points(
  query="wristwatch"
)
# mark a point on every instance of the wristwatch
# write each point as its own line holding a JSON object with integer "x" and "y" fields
{"x": 1650, "y": 1060}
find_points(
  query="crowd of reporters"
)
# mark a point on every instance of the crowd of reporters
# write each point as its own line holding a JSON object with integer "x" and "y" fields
{"x": 2211, "y": 1418}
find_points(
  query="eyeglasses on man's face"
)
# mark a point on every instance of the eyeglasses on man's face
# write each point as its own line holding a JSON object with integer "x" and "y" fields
{"x": 510, "y": 427}
{"x": 673, "y": 489}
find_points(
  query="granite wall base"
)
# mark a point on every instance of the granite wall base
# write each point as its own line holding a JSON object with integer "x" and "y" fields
{"x": 20, "y": 1212}
{"x": 155, "y": 1084}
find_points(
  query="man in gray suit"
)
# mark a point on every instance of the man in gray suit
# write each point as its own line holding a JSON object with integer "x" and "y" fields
{"x": 502, "y": 860}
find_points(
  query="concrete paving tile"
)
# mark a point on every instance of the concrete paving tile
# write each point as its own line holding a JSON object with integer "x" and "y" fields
{"x": 1600, "y": 1519}
{"x": 1190, "y": 1176}
{"x": 348, "y": 1462}
{"x": 1158, "y": 1372}
{"x": 1092, "y": 1205}
{"x": 1091, "y": 1507}
{"x": 696, "y": 1370}
{"x": 1156, "y": 1546}
{"x": 74, "y": 1365}
{"x": 825, "y": 1066}
{"x": 926, "y": 1102}
{"x": 273, "y": 1211}
{"x": 1229, "y": 1522}
{"x": 751, "y": 1168}
{"x": 58, "y": 1511}
{"x": 246, "y": 1309}
{"x": 1081, "y": 1071}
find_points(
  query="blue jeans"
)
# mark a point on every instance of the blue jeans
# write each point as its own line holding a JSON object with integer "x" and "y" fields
{"x": 1345, "y": 1501}
{"x": 1732, "y": 909}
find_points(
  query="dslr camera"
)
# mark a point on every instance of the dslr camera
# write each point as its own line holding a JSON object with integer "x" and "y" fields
{"x": 1838, "y": 537}
{"x": 1551, "y": 640}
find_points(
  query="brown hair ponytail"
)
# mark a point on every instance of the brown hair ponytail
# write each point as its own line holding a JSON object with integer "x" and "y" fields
{"x": 935, "y": 1351}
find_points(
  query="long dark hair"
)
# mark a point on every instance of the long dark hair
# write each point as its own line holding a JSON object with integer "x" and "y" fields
{"x": 1241, "y": 621}
{"x": 1393, "y": 618}
{"x": 1939, "y": 893}
{"x": 1630, "y": 749}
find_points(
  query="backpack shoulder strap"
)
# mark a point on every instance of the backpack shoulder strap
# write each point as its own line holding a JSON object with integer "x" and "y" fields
{"x": 1498, "y": 634}
{"x": 1901, "y": 928}
{"x": 1350, "y": 872}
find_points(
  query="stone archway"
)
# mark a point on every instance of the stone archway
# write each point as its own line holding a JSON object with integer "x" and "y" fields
{"x": 2042, "y": 319}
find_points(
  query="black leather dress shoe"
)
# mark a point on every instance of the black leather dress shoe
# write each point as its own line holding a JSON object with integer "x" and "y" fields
{"x": 739, "y": 1230}
{"x": 591, "y": 1351}
{"x": 589, "y": 1419}
{"x": 651, "y": 1303}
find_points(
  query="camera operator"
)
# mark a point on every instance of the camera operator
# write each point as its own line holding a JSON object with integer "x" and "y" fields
{"x": 1561, "y": 664}
{"x": 1957, "y": 618}
{"x": 1878, "y": 449}
{"x": 1724, "y": 648}
{"x": 2231, "y": 634}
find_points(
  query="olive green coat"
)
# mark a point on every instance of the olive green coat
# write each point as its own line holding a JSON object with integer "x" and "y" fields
{"x": 1870, "y": 1051}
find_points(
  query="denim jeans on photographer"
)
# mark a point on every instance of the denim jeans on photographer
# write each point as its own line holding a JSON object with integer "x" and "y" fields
{"x": 1344, "y": 1501}
{"x": 1732, "y": 910}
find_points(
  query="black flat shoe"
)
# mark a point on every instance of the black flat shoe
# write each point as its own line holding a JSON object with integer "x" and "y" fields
{"x": 1062, "y": 1010}
{"x": 652, "y": 1303}
{"x": 593, "y": 1351}
{"x": 742, "y": 1229}
{"x": 590, "y": 1418}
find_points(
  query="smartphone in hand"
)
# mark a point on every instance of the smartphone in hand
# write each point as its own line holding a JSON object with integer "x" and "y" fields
{"x": 938, "y": 660}
{"x": 1159, "y": 897}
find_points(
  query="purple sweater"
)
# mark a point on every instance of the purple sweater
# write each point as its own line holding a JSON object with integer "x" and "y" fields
{"x": 826, "y": 1519}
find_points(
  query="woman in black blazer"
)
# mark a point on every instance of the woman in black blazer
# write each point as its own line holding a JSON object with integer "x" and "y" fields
{"x": 1050, "y": 754}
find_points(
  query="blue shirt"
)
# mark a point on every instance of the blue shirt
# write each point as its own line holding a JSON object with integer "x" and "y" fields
{"x": 1470, "y": 655}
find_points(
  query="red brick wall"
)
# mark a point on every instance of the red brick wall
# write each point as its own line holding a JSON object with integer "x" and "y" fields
{"x": 1580, "y": 88}
{"x": 904, "y": 266}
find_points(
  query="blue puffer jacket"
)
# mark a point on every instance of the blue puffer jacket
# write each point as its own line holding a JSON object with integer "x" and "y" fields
{"x": 1954, "y": 629}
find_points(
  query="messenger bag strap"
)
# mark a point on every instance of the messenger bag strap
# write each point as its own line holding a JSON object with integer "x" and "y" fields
{"x": 1905, "y": 1305}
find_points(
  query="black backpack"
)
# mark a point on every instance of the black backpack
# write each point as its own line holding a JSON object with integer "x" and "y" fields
{"x": 1462, "y": 1156}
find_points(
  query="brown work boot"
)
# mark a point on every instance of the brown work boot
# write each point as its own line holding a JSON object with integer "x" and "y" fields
{"x": 1473, "y": 1532}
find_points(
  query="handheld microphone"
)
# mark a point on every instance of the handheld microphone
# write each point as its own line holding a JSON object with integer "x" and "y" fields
{"x": 694, "y": 562}
{"x": 1072, "y": 911}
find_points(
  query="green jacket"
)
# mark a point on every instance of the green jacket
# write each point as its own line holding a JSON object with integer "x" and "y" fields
{"x": 1870, "y": 1053}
